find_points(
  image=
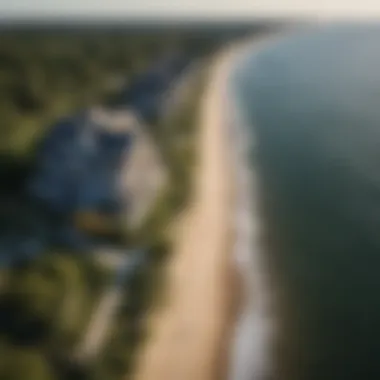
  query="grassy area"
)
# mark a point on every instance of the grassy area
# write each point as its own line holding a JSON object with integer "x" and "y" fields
{"x": 44, "y": 309}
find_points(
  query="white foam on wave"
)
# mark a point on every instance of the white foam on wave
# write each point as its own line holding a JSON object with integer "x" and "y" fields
{"x": 250, "y": 358}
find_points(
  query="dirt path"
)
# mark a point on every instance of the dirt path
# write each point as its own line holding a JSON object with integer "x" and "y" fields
{"x": 188, "y": 334}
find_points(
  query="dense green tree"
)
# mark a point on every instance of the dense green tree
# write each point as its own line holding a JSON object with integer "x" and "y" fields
{"x": 24, "y": 364}
{"x": 49, "y": 302}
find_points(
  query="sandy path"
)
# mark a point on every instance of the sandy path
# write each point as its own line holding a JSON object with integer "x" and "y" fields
{"x": 188, "y": 334}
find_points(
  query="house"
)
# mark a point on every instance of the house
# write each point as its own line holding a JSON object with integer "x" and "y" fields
{"x": 96, "y": 173}
{"x": 145, "y": 95}
{"x": 77, "y": 169}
